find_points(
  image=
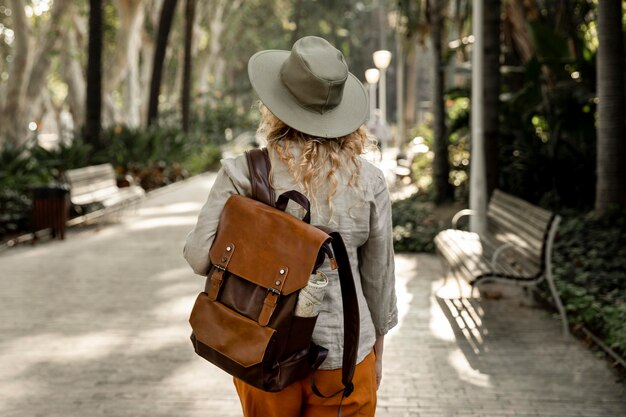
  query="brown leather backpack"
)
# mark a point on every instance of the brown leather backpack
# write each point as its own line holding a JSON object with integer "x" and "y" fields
{"x": 244, "y": 320}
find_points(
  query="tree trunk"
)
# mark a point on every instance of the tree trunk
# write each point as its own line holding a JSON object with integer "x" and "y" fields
{"x": 610, "y": 181}
{"x": 94, "y": 76}
{"x": 125, "y": 63}
{"x": 131, "y": 16}
{"x": 401, "y": 47}
{"x": 16, "y": 92}
{"x": 47, "y": 44}
{"x": 186, "y": 93}
{"x": 411, "y": 85}
{"x": 517, "y": 19}
{"x": 165, "y": 24}
{"x": 441, "y": 166}
{"x": 491, "y": 80}
{"x": 212, "y": 65}
{"x": 147, "y": 55}
{"x": 73, "y": 76}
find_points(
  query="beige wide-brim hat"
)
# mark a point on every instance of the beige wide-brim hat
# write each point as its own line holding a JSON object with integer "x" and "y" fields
{"x": 310, "y": 88}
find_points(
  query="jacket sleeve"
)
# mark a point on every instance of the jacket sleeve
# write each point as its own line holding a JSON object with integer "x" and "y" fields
{"x": 376, "y": 262}
{"x": 232, "y": 178}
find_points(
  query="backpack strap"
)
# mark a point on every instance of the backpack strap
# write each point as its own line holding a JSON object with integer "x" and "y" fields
{"x": 259, "y": 168}
{"x": 351, "y": 316}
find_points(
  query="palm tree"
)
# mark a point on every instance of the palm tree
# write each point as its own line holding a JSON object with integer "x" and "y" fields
{"x": 441, "y": 165}
{"x": 94, "y": 77}
{"x": 491, "y": 84}
{"x": 611, "y": 181}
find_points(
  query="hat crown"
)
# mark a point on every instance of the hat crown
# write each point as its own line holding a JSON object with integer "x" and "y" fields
{"x": 315, "y": 74}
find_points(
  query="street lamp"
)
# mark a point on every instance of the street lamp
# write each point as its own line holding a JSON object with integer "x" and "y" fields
{"x": 372, "y": 76}
{"x": 382, "y": 59}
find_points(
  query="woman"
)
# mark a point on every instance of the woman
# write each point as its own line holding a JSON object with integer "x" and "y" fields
{"x": 312, "y": 115}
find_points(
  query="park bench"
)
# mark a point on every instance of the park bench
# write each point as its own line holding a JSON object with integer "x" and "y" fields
{"x": 516, "y": 247}
{"x": 97, "y": 185}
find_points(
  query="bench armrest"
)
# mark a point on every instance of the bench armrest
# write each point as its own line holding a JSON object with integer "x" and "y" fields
{"x": 460, "y": 214}
{"x": 497, "y": 252}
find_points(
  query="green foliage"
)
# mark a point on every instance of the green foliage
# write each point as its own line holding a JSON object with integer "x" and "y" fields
{"x": 63, "y": 157}
{"x": 205, "y": 160}
{"x": 457, "y": 126}
{"x": 211, "y": 123}
{"x": 589, "y": 265}
{"x": 547, "y": 117}
{"x": 547, "y": 139}
{"x": 414, "y": 226}
{"x": 459, "y": 139}
{"x": 126, "y": 146}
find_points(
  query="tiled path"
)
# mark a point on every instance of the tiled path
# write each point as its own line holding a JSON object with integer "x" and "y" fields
{"x": 96, "y": 325}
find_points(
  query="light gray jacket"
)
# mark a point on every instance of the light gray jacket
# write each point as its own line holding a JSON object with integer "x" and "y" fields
{"x": 361, "y": 214}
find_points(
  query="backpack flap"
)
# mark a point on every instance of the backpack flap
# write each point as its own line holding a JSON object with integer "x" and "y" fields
{"x": 282, "y": 262}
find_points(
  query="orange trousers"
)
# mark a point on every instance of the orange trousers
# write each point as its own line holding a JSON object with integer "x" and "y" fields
{"x": 298, "y": 400}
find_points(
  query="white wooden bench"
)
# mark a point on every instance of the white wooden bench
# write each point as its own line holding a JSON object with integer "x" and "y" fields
{"x": 516, "y": 248}
{"x": 97, "y": 185}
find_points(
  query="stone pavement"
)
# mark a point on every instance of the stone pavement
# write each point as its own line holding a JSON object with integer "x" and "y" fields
{"x": 96, "y": 325}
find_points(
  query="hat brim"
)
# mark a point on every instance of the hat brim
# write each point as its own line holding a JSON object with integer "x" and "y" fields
{"x": 264, "y": 73}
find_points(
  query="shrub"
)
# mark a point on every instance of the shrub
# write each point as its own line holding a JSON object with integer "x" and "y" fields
{"x": 414, "y": 225}
{"x": 207, "y": 159}
{"x": 589, "y": 265}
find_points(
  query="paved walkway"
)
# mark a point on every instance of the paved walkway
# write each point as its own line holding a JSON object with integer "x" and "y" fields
{"x": 96, "y": 325}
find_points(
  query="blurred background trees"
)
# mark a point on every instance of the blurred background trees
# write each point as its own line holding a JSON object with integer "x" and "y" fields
{"x": 542, "y": 85}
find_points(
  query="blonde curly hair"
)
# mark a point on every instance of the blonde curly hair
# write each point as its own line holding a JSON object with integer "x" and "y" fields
{"x": 319, "y": 160}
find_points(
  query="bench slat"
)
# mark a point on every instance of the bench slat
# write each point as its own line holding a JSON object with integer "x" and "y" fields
{"x": 518, "y": 218}
{"x": 502, "y": 198}
{"x": 516, "y": 222}
{"x": 530, "y": 245}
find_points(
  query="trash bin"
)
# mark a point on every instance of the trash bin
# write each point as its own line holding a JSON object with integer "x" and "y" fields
{"x": 50, "y": 208}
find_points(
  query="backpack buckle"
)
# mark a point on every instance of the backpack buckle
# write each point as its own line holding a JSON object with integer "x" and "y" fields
{"x": 273, "y": 290}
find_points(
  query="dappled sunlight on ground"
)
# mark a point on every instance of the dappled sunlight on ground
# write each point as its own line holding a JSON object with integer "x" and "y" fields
{"x": 439, "y": 323}
{"x": 466, "y": 373}
{"x": 155, "y": 339}
{"x": 177, "y": 307}
{"x": 405, "y": 271}
{"x": 173, "y": 274}
{"x": 60, "y": 348}
{"x": 190, "y": 207}
{"x": 163, "y": 221}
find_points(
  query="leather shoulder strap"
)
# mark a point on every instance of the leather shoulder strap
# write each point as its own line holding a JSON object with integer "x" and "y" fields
{"x": 259, "y": 168}
{"x": 351, "y": 318}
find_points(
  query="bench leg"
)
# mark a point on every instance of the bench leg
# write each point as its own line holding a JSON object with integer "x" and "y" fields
{"x": 559, "y": 304}
{"x": 474, "y": 288}
{"x": 550, "y": 278}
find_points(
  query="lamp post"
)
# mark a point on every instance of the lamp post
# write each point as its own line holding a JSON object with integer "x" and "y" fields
{"x": 478, "y": 176}
{"x": 382, "y": 59}
{"x": 372, "y": 76}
